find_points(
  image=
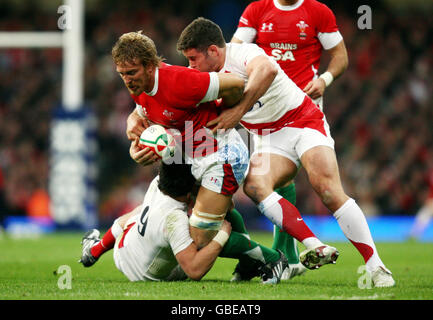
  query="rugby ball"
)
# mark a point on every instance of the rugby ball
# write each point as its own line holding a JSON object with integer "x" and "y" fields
{"x": 161, "y": 142}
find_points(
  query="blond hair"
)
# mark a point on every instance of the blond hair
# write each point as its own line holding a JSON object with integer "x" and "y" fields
{"x": 135, "y": 45}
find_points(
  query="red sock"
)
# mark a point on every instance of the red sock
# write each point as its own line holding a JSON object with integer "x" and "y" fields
{"x": 285, "y": 215}
{"x": 293, "y": 223}
{"x": 107, "y": 243}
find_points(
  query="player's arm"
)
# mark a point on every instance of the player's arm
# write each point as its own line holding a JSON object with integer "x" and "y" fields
{"x": 261, "y": 73}
{"x": 143, "y": 156}
{"x": 135, "y": 124}
{"x": 244, "y": 34}
{"x": 227, "y": 86}
{"x": 196, "y": 263}
{"x": 235, "y": 40}
{"x": 339, "y": 60}
{"x": 337, "y": 65}
{"x": 231, "y": 88}
{"x": 246, "y": 31}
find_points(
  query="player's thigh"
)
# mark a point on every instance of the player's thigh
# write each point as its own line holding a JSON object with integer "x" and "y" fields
{"x": 122, "y": 220}
{"x": 267, "y": 172}
{"x": 320, "y": 163}
{"x": 212, "y": 202}
{"x": 322, "y": 169}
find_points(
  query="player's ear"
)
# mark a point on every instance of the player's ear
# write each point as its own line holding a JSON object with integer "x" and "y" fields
{"x": 212, "y": 50}
{"x": 148, "y": 68}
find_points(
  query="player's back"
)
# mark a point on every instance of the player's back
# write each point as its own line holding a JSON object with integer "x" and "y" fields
{"x": 147, "y": 250}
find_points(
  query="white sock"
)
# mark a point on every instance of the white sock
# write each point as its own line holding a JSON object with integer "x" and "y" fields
{"x": 352, "y": 222}
{"x": 271, "y": 209}
{"x": 312, "y": 242}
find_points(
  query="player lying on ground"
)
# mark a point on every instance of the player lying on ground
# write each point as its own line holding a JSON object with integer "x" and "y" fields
{"x": 153, "y": 241}
{"x": 289, "y": 131}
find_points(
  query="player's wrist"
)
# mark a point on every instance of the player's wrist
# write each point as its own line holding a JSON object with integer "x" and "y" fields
{"x": 327, "y": 77}
{"x": 221, "y": 237}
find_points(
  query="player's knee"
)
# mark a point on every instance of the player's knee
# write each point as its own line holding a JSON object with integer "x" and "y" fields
{"x": 256, "y": 190}
{"x": 331, "y": 194}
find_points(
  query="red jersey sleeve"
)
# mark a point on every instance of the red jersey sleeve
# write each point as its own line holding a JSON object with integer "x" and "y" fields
{"x": 189, "y": 87}
{"x": 250, "y": 16}
{"x": 326, "y": 22}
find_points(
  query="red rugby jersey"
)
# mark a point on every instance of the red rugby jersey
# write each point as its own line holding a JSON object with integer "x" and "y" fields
{"x": 291, "y": 36}
{"x": 175, "y": 102}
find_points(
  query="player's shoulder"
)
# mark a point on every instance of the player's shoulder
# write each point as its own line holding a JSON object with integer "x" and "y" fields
{"x": 246, "y": 50}
{"x": 317, "y": 6}
{"x": 260, "y": 6}
{"x": 262, "y": 3}
{"x": 175, "y": 218}
{"x": 235, "y": 48}
{"x": 173, "y": 70}
{"x": 175, "y": 77}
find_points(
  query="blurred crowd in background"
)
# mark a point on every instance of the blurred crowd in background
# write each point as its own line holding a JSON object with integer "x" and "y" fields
{"x": 380, "y": 110}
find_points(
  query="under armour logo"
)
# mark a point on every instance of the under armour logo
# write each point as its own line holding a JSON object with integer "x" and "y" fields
{"x": 267, "y": 26}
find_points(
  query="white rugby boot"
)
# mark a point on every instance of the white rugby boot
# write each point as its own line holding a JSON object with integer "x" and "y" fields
{"x": 382, "y": 278}
{"x": 293, "y": 270}
{"x": 89, "y": 240}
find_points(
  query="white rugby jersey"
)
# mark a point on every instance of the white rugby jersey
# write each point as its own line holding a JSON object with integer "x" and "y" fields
{"x": 147, "y": 250}
{"x": 276, "y": 108}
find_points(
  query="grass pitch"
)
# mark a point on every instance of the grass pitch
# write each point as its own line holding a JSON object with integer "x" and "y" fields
{"x": 30, "y": 269}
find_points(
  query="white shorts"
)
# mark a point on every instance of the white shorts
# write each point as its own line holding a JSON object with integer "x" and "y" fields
{"x": 291, "y": 143}
{"x": 224, "y": 170}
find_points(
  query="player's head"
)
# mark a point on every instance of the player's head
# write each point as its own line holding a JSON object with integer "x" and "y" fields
{"x": 202, "y": 43}
{"x": 176, "y": 180}
{"x": 136, "y": 58}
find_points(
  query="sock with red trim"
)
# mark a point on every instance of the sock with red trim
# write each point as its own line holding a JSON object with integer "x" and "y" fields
{"x": 285, "y": 215}
{"x": 108, "y": 240}
{"x": 352, "y": 222}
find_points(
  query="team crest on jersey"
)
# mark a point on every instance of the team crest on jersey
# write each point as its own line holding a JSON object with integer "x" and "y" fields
{"x": 267, "y": 27}
{"x": 168, "y": 114}
{"x": 302, "y": 27}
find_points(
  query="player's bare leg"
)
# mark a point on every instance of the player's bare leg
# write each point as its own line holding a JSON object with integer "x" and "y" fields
{"x": 207, "y": 215}
{"x": 320, "y": 163}
{"x": 259, "y": 186}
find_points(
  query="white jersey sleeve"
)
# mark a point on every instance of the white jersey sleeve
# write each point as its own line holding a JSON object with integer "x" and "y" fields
{"x": 176, "y": 231}
{"x": 329, "y": 40}
{"x": 214, "y": 87}
{"x": 246, "y": 34}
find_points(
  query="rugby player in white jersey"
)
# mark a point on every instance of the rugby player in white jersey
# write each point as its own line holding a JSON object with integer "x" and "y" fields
{"x": 295, "y": 33}
{"x": 289, "y": 130}
{"x": 153, "y": 241}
